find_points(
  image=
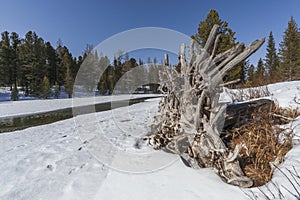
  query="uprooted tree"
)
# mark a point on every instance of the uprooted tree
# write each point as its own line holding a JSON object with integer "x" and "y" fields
{"x": 191, "y": 117}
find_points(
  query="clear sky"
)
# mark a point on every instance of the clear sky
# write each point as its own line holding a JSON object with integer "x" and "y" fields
{"x": 78, "y": 23}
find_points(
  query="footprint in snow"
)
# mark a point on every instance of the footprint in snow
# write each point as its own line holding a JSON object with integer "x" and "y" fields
{"x": 50, "y": 167}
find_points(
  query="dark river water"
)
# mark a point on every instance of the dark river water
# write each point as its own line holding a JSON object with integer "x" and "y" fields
{"x": 8, "y": 124}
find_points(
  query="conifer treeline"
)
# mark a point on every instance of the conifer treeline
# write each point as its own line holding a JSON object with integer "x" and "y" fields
{"x": 278, "y": 65}
{"x": 36, "y": 66}
{"x": 143, "y": 74}
{"x": 282, "y": 65}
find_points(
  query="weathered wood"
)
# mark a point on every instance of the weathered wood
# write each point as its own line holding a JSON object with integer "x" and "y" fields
{"x": 239, "y": 114}
{"x": 166, "y": 59}
{"x": 191, "y": 118}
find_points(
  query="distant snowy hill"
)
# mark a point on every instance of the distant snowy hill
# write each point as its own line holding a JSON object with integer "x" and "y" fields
{"x": 95, "y": 156}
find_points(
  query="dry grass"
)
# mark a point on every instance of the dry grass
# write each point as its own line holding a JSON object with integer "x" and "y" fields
{"x": 288, "y": 113}
{"x": 266, "y": 143}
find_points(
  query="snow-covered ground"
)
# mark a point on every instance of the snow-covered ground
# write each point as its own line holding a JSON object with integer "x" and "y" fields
{"x": 5, "y": 94}
{"x": 14, "y": 108}
{"x": 282, "y": 93}
{"x": 95, "y": 156}
{"x": 285, "y": 92}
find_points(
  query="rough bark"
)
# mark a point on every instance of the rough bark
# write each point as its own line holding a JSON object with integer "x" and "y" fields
{"x": 191, "y": 118}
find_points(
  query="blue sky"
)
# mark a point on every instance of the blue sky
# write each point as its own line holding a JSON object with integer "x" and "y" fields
{"x": 78, "y": 23}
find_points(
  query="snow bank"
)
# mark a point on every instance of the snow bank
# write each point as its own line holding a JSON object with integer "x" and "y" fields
{"x": 285, "y": 92}
{"x": 16, "y": 108}
{"x": 94, "y": 156}
{"x": 71, "y": 159}
{"x": 282, "y": 93}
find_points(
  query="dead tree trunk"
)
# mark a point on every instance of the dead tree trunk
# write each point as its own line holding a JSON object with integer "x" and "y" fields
{"x": 166, "y": 59}
{"x": 191, "y": 117}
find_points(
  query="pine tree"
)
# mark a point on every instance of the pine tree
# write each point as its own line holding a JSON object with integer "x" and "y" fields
{"x": 259, "y": 75}
{"x": 89, "y": 71}
{"x": 61, "y": 68}
{"x": 32, "y": 63}
{"x": 77, "y": 64}
{"x": 45, "y": 88}
{"x": 111, "y": 80}
{"x": 25, "y": 62}
{"x": 250, "y": 75}
{"x": 102, "y": 85}
{"x": 15, "y": 42}
{"x": 39, "y": 64}
{"x": 51, "y": 63}
{"x": 272, "y": 60}
{"x": 128, "y": 79}
{"x": 68, "y": 80}
{"x": 5, "y": 60}
{"x": 15, "y": 93}
{"x": 26, "y": 56}
{"x": 56, "y": 90}
{"x": 227, "y": 40}
{"x": 290, "y": 50}
{"x": 244, "y": 71}
{"x": 69, "y": 83}
{"x": 108, "y": 78}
